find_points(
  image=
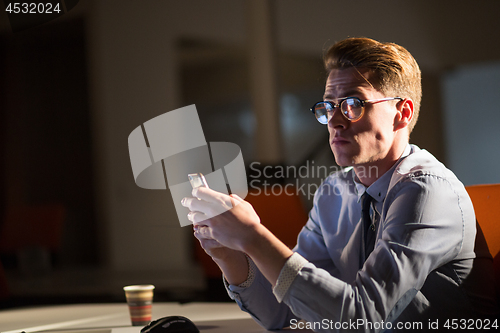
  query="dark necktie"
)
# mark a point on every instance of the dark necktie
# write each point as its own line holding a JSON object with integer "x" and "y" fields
{"x": 368, "y": 226}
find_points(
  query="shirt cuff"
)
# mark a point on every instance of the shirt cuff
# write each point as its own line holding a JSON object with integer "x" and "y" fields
{"x": 250, "y": 277}
{"x": 288, "y": 273}
{"x": 251, "y": 273}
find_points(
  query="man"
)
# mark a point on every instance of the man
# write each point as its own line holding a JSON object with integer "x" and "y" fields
{"x": 389, "y": 240}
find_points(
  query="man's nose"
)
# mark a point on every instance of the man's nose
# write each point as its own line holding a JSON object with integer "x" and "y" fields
{"x": 336, "y": 119}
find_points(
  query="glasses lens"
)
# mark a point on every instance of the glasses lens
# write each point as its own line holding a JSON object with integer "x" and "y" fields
{"x": 352, "y": 108}
{"x": 321, "y": 110}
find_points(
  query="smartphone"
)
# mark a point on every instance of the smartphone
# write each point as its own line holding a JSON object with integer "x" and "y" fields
{"x": 197, "y": 180}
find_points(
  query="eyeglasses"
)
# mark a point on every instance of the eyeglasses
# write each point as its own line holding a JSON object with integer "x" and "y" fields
{"x": 352, "y": 108}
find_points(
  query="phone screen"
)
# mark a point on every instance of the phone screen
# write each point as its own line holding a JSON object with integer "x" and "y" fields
{"x": 197, "y": 180}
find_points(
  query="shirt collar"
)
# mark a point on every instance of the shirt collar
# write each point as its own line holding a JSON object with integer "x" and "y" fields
{"x": 379, "y": 188}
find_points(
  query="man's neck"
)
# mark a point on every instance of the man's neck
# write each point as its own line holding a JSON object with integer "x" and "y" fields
{"x": 368, "y": 173}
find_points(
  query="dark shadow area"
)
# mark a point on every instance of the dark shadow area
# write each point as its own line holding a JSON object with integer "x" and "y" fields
{"x": 482, "y": 279}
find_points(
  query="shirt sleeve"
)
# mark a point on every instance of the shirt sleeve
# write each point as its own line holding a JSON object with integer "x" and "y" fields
{"x": 251, "y": 274}
{"x": 263, "y": 302}
{"x": 410, "y": 250}
{"x": 255, "y": 296}
{"x": 288, "y": 273}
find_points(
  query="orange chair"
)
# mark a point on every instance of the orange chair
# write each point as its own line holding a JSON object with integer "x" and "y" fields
{"x": 486, "y": 201}
{"x": 284, "y": 215}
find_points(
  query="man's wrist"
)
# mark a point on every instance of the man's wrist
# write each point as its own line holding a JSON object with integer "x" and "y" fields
{"x": 268, "y": 253}
{"x": 227, "y": 256}
{"x": 251, "y": 273}
{"x": 252, "y": 238}
{"x": 234, "y": 266}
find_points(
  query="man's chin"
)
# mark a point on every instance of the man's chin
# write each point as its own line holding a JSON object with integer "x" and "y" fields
{"x": 342, "y": 157}
{"x": 342, "y": 161}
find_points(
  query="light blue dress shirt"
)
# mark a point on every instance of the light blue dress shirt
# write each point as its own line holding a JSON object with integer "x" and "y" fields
{"x": 424, "y": 252}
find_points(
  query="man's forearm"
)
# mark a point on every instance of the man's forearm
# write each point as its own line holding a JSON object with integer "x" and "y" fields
{"x": 234, "y": 266}
{"x": 268, "y": 253}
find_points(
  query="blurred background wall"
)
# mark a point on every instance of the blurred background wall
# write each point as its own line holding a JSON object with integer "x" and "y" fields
{"x": 72, "y": 90}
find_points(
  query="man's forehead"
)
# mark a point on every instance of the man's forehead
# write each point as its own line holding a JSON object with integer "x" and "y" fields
{"x": 341, "y": 81}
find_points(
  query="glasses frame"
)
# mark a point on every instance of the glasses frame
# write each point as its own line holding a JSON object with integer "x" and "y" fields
{"x": 342, "y": 100}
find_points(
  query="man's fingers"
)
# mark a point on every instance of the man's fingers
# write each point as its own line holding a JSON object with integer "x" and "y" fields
{"x": 197, "y": 217}
{"x": 203, "y": 232}
{"x": 194, "y": 204}
{"x": 211, "y": 203}
{"x": 208, "y": 209}
{"x": 209, "y": 244}
{"x": 212, "y": 196}
{"x": 235, "y": 199}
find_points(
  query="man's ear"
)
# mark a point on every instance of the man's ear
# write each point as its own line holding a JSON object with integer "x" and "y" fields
{"x": 404, "y": 115}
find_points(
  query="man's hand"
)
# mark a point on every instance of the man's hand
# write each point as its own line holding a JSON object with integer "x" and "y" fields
{"x": 212, "y": 247}
{"x": 231, "y": 222}
{"x": 228, "y": 220}
{"x": 219, "y": 253}
{"x": 231, "y": 262}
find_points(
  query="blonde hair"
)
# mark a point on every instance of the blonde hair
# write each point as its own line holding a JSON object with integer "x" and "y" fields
{"x": 395, "y": 70}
